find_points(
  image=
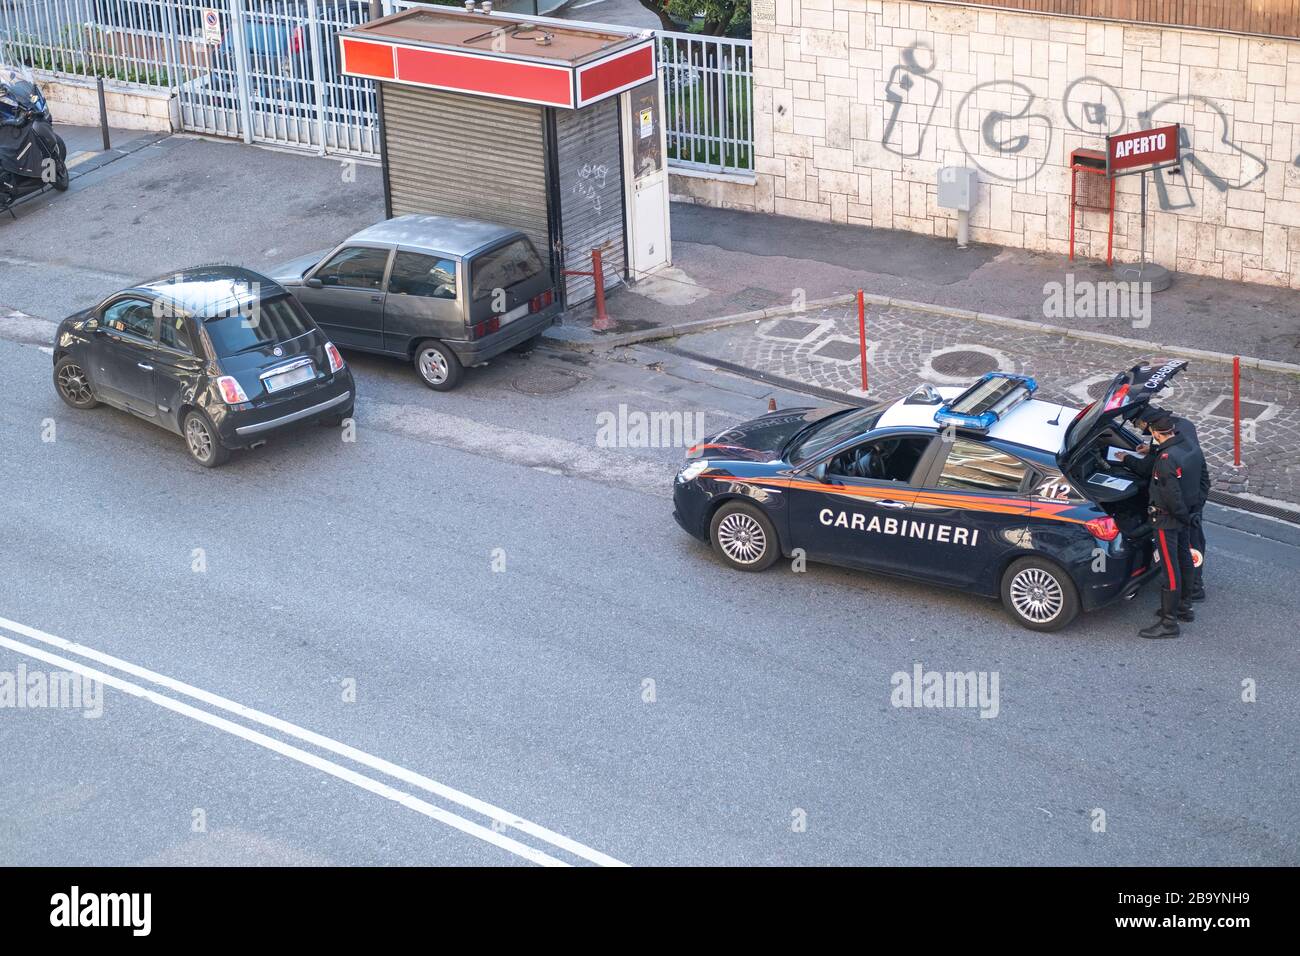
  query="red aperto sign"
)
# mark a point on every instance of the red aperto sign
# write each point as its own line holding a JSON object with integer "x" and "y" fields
{"x": 486, "y": 73}
{"x": 1127, "y": 152}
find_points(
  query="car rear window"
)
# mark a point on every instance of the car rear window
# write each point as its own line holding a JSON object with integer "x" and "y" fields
{"x": 267, "y": 322}
{"x": 517, "y": 261}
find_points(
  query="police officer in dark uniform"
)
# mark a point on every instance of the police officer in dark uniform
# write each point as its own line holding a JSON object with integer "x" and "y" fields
{"x": 1175, "y": 484}
{"x": 1185, "y": 430}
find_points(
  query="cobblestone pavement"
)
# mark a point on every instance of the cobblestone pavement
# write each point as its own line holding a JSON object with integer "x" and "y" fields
{"x": 906, "y": 347}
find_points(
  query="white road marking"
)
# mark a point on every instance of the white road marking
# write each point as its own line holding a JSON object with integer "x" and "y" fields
{"x": 325, "y": 743}
{"x": 589, "y": 3}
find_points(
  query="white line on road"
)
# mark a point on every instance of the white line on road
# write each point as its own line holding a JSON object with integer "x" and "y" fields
{"x": 325, "y": 743}
{"x": 589, "y": 3}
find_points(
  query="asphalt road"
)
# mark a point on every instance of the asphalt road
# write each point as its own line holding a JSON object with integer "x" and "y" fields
{"x": 613, "y": 694}
{"x": 371, "y": 562}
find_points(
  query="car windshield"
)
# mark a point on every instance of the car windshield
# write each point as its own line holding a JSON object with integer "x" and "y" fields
{"x": 268, "y": 322}
{"x": 829, "y": 432}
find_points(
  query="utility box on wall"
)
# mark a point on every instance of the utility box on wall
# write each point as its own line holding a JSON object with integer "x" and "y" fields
{"x": 547, "y": 126}
{"x": 957, "y": 185}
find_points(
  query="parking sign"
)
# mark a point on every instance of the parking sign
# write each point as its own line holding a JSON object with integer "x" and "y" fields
{"x": 211, "y": 27}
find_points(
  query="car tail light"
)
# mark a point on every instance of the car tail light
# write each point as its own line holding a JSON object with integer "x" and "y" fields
{"x": 232, "y": 393}
{"x": 336, "y": 360}
{"x": 1104, "y": 529}
{"x": 1117, "y": 399}
{"x": 488, "y": 327}
{"x": 539, "y": 302}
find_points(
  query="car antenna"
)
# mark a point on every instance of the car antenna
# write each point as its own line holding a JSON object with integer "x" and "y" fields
{"x": 1057, "y": 419}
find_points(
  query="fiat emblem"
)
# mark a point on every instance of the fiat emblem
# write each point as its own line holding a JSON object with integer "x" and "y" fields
{"x": 277, "y": 351}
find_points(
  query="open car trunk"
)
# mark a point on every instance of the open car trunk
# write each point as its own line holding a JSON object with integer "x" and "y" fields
{"x": 1086, "y": 459}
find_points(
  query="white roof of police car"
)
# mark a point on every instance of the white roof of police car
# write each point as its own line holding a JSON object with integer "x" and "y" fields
{"x": 1029, "y": 423}
{"x": 450, "y": 235}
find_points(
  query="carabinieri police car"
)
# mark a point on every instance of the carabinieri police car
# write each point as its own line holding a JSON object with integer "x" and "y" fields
{"x": 985, "y": 489}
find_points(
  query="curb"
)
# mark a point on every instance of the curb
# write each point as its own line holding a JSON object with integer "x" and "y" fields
{"x": 703, "y": 325}
{"x": 599, "y": 341}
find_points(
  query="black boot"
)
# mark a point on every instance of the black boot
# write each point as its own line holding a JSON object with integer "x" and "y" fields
{"x": 1198, "y": 589}
{"x": 1185, "y": 612}
{"x": 1167, "y": 626}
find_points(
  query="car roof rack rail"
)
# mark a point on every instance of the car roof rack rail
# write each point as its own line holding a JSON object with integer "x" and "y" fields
{"x": 984, "y": 403}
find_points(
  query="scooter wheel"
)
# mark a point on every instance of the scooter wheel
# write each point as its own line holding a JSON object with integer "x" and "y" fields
{"x": 61, "y": 177}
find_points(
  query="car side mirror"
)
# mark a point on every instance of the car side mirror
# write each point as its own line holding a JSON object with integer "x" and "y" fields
{"x": 314, "y": 283}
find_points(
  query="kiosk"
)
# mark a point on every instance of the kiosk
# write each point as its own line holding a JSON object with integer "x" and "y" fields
{"x": 550, "y": 126}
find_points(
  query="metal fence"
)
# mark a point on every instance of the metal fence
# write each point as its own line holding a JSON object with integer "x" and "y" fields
{"x": 125, "y": 40}
{"x": 267, "y": 71}
{"x": 709, "y": 102}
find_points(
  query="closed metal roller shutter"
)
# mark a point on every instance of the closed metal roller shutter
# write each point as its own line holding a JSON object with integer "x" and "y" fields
{"x": 591, "y": 194}
{"x": 468, "y": 156}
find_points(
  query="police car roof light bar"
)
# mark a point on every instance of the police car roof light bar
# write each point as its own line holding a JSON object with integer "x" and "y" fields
{"x": 984, "y": 403}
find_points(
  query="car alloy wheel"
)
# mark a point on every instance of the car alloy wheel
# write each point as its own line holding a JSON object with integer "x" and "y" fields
{"x": 1036, "y": 595}
{"x": 433, "y": 366}
{"x": 742, "y": 538}
{"x": 74, "y": 385}
{"x": 199, "y": 439}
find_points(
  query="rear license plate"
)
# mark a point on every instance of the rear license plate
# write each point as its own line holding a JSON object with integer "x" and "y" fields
{"x": 294, "y": 376}
{"x": 517, "y": 312}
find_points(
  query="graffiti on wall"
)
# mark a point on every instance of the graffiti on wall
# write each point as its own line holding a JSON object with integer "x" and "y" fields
{"x": 1233, "y": 167}
{"x": 1006, "y": 131}
{"x": 590, "y": 183}
{"x": 910, "y": 84}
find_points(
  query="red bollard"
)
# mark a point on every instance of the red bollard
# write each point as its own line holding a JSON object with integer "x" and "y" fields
{"x": 601, "y": 322}
{"x": 862, "y": 336}
{"x": 1236, "y": 411}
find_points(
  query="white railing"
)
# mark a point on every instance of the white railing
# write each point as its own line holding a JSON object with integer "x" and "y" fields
{"x": 709, "y": 102}
{"x": 133, "y": 41}
{"x": 271, "y": 73}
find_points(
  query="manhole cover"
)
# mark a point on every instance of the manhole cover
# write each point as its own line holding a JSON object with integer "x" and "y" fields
{"x": 753, "y": 297}
{"x": 1097, "y": 389}
{"x": 958, "y": 364}
{"x": 544, "y": 381}
{"x": 1248, "y": 409}
{"x": 841, "y": 350}
{"x": 794, "y": 330}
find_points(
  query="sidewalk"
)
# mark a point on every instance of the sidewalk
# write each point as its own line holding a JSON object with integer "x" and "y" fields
{"x": 820, "y": 348}
{"x": 727, "y": 262}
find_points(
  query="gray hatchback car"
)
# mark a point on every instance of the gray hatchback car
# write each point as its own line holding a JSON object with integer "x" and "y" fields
{"x": 441, "y": 292}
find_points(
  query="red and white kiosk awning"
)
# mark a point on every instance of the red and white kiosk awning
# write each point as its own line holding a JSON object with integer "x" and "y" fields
{"x": 522, "y": 59}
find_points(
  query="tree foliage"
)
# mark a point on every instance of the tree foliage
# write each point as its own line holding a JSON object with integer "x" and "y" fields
{"x": 719, "y": 15}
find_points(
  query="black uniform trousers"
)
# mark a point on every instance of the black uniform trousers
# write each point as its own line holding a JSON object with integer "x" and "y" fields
{"x": 1176, "y": 571}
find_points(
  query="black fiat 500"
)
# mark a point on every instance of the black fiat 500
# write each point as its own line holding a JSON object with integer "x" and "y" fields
{"x": 985, "y": 490}
{"x": 220, "y": 355}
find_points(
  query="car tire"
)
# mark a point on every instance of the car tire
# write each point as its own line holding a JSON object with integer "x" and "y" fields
{"x": 202, "y": 441}
{"x": 437, "y": 366}
{"x": 1039, "y": 595}
{"x": 73, "y": 384}
{"x": 743, "y": 537}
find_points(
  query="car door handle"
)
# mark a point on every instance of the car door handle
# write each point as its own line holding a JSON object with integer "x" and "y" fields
{"x": 147, "y": 368}
{"x": 890, "y": 503}
{"x": 376, "y": 298}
